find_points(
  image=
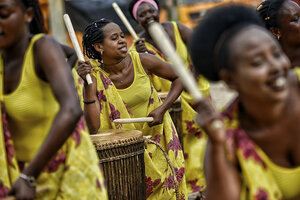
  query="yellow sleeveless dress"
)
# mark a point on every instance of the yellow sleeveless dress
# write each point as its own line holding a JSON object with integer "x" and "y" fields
{"x": 261, "y": 178}
{"x": 27, "y": 116}
{"x": 194, "y": 138}
{"x": 140, "y": 99}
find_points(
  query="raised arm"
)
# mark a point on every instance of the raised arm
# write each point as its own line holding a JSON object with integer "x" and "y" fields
{"x": 91, "y": 102}
{"x": 162, "y": 69}
{"x": 222, "y": 176}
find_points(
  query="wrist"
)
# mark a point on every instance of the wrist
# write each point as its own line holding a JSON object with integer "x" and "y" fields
{"x": 30, "y": 180}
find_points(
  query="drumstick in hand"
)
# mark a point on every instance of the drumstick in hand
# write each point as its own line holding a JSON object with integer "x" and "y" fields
{"x": 133, "y": 120}
{"x": 163, "y": 41}
{"x": 75, "y": 43}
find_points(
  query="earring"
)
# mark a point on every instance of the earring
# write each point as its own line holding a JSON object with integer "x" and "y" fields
{"x": 278, "y": 37}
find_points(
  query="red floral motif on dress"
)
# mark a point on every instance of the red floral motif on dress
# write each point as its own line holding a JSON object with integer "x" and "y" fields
{"x": 174, "y": 144}
{"x": 3, "y": 190}
{"x": 247, "y": 147}
{"x": 101, "y": 97}
{"x": 7, "y": 138}
{"x": 114, "y": 114}
{"x": 157, "y": 138}
{"x": 80, "y": 127}
{"x": 169, "y": 183}
{"x": 179, "y": 173}
{"x": 261, "y": 195}
{"x": 106, "y": 81}
{"x": 98, "y": 184}
{"x": 193, "y": 130}
{"x": 54, "y": 163}
{"x": 151, "y": 185}
{"x": 186, "y": 156}
{"x": 194, "y": 186}
{"x": 80, "y": 82}
{"x": 128, "y": 110}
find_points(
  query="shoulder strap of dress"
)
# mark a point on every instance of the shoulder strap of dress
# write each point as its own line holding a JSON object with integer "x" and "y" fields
{"x": 137, "y": 64}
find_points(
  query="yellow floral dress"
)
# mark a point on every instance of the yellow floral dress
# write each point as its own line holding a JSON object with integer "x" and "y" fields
{"x": 73, "y": 172}
{"x": 259, "y": 179}
{"x": 194, "y": 138}
{"x": 159, "y": 180}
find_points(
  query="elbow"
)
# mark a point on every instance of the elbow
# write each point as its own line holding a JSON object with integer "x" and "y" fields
{"x": 93, "y": 131}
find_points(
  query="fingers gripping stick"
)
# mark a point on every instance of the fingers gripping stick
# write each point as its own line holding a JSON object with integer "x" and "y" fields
{"x": 75, "y": 43}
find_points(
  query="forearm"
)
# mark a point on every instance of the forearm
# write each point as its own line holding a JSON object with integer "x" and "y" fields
{"x": 174, "y": 93}
{"x": 222, "y": 178}
{"x": 63, "y": 125}
{"x": 92, "y": 110}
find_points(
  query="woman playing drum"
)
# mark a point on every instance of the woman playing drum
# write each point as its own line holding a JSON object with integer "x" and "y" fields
{"x": 121, "y": 89}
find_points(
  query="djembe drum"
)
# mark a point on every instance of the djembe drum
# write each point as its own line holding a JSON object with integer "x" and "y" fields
{"x": 176, "y": 115}
{"x": 121, "y": 153}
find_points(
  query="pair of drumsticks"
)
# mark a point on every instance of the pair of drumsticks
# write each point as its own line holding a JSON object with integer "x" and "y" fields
{"x": 161, "y": 38}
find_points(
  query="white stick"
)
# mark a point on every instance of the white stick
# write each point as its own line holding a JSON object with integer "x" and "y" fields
{"x": 124, "y": 20}
{"x": 133, "y": 120}
{"x": 163, "y": 41}
{"x": 75, "y": 43}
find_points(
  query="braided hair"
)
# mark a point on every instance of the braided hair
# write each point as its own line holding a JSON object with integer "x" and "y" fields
{"x": 133, "y": 2}
{"x": 209, "y": 44}
{"x": 37, "y": 23}
{"x": 93, "y": 33}
{"x": 270, "y": 11}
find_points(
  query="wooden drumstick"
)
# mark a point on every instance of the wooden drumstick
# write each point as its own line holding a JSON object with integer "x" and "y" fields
{"x": 75, "y": 43}
{"x": 163, "y": 41}
{"x": 124, "y": 20}
{"x": 38, "y": 190}
{"x": 133, "y": 120}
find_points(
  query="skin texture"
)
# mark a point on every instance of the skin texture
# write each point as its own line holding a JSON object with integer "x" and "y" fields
{"x": 118, "y": 63}
{"x": 145, "y": 13}
{"x": 51, "y": 67}
{"x": 257, "y": 61}
{"x": 289, "y": 31}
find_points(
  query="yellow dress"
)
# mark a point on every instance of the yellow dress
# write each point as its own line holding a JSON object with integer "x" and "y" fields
{"x": 73, "y": 172}
{"x": 159, "y": 180}
{"x": 194, "y": 139}
{"x": 261, "y": 178}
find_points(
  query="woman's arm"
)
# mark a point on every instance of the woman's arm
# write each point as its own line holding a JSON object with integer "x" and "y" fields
{"x": 70, "y": 55}
{"x": 162, "y": 69}
{"x": 91, "y": 102}
{"x": 222, "y": 176}
{"x": 51, "y": 63}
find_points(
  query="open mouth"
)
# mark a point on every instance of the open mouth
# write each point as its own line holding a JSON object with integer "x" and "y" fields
{"x": 123, "y": 49}
{"x": 277, "y": 83}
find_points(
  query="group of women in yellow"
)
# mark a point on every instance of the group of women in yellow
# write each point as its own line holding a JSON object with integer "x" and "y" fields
{"x": 253, "y": 154}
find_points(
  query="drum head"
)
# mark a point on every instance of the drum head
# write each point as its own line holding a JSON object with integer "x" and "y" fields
{"x": 112, "y": 136}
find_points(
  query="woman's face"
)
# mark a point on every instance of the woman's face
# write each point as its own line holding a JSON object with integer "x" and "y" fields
{"x": 290, "y": 23}
{"x": 146, "y": 13}
{"x": 13, "y": 22}
{"x": 259, "y": 66}
{"x": 114, "y": 43}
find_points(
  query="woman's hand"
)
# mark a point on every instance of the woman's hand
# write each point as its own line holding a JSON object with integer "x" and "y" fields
{"x": 84, "y": 68}
{"x": 158, "y": 116}
{"x": 210, "y": 121}
{"x": 140, "y": 46}
{"x": 22, "y": 190}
